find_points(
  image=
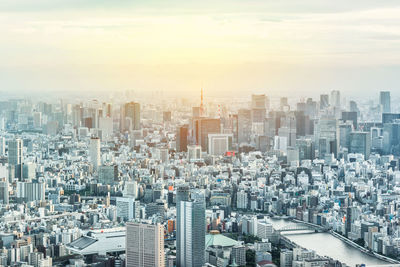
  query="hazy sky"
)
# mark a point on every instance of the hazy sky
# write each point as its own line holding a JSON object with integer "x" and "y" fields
{"x": 285, "y": 47}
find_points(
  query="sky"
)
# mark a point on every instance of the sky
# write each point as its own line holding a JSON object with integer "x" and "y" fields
{"x": 281, "y": 48}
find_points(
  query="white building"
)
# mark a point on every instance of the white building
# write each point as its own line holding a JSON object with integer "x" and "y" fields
{"x": 127, "y": 208}
{"x": 218, "y": 144}
{"x": 242, "y": 200}
{"x": 144, "y": 245}
{"x": 194, "y": 153}
{"x": 94, "y": 152}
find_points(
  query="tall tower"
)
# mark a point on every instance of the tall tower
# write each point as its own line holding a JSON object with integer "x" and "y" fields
{"x": 130, "y": 112}
{"x": 384, "y": 99}
{"x": 4, "y": 196}
{"x": 202, "y": 111}
{"x": 2, "y": 146}
{"x": 15, "y": 156}
{"x": 182, "y": 194}
{"x": 144, "y": 245}
{"x": 94, "y": 152}
{"x": 191, "y": 229}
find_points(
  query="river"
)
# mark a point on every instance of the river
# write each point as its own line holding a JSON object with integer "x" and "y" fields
{"x": 324, "y": 244}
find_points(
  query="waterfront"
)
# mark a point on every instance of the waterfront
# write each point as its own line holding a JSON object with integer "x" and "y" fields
{"x": 324, "y": 244}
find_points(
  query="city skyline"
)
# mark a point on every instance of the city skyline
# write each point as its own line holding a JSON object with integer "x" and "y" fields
{"x": 181, "y": 133}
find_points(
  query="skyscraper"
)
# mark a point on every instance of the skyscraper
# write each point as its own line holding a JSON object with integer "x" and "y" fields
{"x": 203, "y": 127}
{"x": 218, "y": 144}
{"x": 323, "y": 101}
{"x": 350, "y": 116}
{"x": 182, "y": 194}
{"x": 181, "y": 138}
{"x": 15, "y": 156}
{"x": 258, "y": 108}
{"x": 335, "y": 98}
{"x": 4, "y": 196}
{"x": 94, "y": 152}
{"x": 130, "y": 116}
{"x": 144, "y": 245}
{"x": 191, "y": 229}
{"x": 2, "y": 146}
{"x": 244, "y": 125}
{"x": 384, "y": 100}
{"x": 360, "y": 142}
{"x": 327, "y": 136}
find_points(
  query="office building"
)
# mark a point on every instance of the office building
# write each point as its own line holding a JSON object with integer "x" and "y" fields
{"x": 182, "y": 138}
{"x": 202, "y": 127}
{"x": 327, "y": 136}
{"x": 360, "y": 142}
{"x": 219, "y": 144}
{"x": 191, "y": 228}
{"x": 244, "y": 125}
{"x": 94, "y": 152}
{"x": 350, "y": 116}
{"x": 144, "y": 245}
{"x": 15, "y": 155}
{"x": 4, "y": 195}
{"x": 108, "y": 174}
{"x": 324, "y": 101}
{"x": 130, "y": 117}
{"x": 384, "y": 100}
{"x": 30, "y": 191}
{"x": 127, "y": 208}
{"x": 2, "y": 146}
{"x": 194, "y": 153}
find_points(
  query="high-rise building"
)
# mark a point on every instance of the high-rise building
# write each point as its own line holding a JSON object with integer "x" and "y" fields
{"x": 2, "y": 146}
{"x": 384, "y": 100}
{"x": 327, "y": 136}
{"x": 350, "y": 116}
{"x": 258, "y": 108}
{"x": 131, "y": 189}
{"x": 345, "y": 128}
{"x": 106, "y": 126}
{"x": 219, "y": 144}
{"x": 306, "y": 148}
{"x": 94, "y": 152}
{"x": 360, "y": 142}
{"x": 191, "y": 228}
{"x": 182, "y": 138}
{"x": 108, "y": 174}
{"x": 202, "y": 127}
{"x": 144, "y": 245}
{"x": 31, "y": 191}
{"x": 4, "y": 195}
{"x": 323, "y": 101}
{"x": 244, "y": 125}
{"x": 242, "y": 200}
{"x": 15, "y": 155}
{"x": 194, "y": 153}
{"x": 130, "y": 117}
{"x": 127, "y": 208}
{"x": 335, "y": 99}
{"x": 391, "y": 137}
{"x": 182, "y": 194}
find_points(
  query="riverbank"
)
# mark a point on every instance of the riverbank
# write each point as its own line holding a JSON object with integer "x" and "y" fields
{"x": 362, "y": 249}
{"x": 351, "y": 243}
{"x": 333, "y": 247}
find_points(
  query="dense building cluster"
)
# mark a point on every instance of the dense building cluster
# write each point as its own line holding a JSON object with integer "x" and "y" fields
{"x": 173, "y": 182}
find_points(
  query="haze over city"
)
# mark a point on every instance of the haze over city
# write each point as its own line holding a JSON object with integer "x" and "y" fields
{"x": 297, "y": 47}
{"x": 252, "y": 133}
